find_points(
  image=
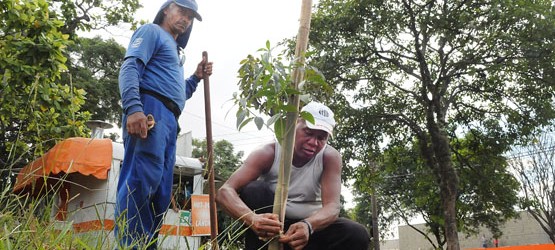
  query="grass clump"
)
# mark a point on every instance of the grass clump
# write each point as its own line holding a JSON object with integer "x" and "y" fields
{"x": 25, "y": 223}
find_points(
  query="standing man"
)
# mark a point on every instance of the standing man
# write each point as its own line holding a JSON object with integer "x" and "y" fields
{"x": 311, "y": 219}
{"x": 153, "y": 91}
{"x": 484, "y": 241}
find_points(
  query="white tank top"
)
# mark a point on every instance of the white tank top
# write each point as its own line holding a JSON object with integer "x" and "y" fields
{"x": 304, "y": 197}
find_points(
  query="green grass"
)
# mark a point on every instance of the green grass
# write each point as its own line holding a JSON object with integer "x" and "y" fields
{"x": 26, "y": 223}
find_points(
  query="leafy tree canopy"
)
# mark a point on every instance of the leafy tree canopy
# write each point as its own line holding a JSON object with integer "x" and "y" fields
{"x": 431, "y": 71}
{"x": 487, "y": 190}
{"x": 94, "y": 67}
{"x": 40, "y": 103}
{"x": 36, "y": 108}
{"x": 87, "y": 15}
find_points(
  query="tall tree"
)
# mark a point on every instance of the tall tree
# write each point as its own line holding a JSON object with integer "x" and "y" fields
{"x": 94, "y": 67}
{"x": 487, "y": 190}
{"x": 535, "y": 168}
{"x": 427, "y": 71}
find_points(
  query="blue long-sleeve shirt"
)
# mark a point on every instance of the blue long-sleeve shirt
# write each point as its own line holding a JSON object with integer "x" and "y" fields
{"x": 152, "y": 63}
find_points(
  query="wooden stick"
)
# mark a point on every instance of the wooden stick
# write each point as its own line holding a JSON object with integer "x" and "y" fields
{"x": 210, "y": 151}
{"x": 282, "y": 187}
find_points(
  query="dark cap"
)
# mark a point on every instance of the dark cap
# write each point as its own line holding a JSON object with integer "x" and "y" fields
{"x": 189, "y": 4}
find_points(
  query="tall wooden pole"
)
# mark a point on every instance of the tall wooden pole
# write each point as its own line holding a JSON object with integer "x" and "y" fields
{"x": 284, "y": 174}
{"x": 374, "y": 200}
{"x": 210, "y": 151}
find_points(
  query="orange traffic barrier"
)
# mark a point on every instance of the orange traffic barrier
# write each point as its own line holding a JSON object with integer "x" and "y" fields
{"x": 526, "y": 247}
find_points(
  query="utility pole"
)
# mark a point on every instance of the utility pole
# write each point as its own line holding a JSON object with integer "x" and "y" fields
{"x": 373, "y": 199}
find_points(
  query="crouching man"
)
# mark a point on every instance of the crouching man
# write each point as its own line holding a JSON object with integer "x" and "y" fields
{"x": 312, "y": 213}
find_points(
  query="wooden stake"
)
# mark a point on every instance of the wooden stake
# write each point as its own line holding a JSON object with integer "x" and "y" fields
{"x": 210, "y": 151}
{"x": 284, "y": 174}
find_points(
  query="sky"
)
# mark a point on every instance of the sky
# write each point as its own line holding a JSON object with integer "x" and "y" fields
{"x": 229, "y": 32}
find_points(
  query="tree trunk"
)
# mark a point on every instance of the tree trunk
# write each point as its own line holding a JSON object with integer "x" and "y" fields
{"x": 375, "y": 227}
{"x": 448, "y": 182}
{"x": 282, "y": 186}
{"x": 436, "y": 152}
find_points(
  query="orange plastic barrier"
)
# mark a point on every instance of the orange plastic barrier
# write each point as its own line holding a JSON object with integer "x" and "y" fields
{"x": 527, "y": 247}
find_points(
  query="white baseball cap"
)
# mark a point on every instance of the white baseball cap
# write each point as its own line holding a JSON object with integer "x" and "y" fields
{"x": 323, "y": 117}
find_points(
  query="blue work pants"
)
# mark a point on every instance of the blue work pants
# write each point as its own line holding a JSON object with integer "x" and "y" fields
{"x": 146, "y": 178}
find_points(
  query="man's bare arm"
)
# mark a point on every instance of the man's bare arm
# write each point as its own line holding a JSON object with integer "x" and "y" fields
{"x": 298, "y": 233}
{"x": 257, "y": 163}
{"x": 331, "y": 191}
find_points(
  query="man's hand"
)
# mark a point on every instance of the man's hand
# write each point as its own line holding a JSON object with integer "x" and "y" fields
{"x": 297, "y": 236}
{"x": 265, "y": 225}
{"x": 137, "y": 125}
{"x": 203, "y": 68}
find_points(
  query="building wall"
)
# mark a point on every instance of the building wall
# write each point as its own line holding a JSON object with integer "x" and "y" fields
{"x": 517, "y": 232}
{"x": 184, "y": 144}
{"x": 523, "y": 231}
{"x": 389, "y": 245}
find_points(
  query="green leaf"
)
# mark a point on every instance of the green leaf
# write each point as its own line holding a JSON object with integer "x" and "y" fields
{"x": 259, "y": 122}
{"x": 307, "y": 116}
{"x": 273, "y": 119}
{"x": 244, "y": 123}
{"x": 241, "y": 115}
{"x": 289, "y": 108}
{"x": 279, "y": 128}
